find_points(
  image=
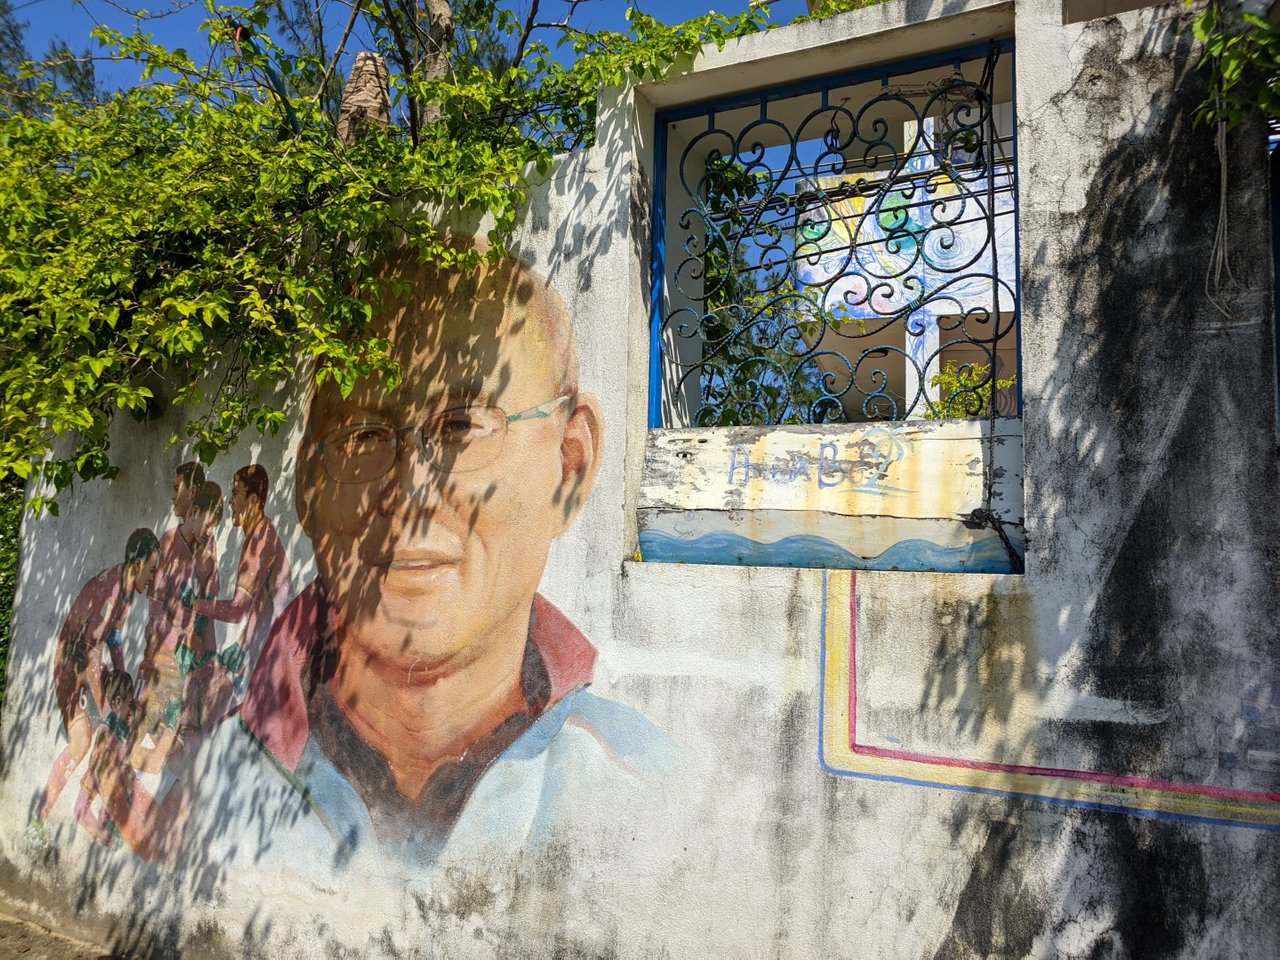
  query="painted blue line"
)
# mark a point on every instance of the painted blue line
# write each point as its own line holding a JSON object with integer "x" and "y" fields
{"x": 1055, "y": 801}
{"x": 657, "y": 274}
{"x": 880, "y": 489}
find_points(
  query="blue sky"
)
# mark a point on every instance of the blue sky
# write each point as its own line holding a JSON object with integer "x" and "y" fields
{"x": 72, "y": 21}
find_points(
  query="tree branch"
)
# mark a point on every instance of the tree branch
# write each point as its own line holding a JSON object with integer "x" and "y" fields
{"x": 407, "y": 64}
{"x": 337, "y": 54}
{"x": 530, "y": 24}
{"x": 557, "y": 24}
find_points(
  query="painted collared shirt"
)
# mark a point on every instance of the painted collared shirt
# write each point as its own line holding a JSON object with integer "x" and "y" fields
{"x": 534, "y": 777}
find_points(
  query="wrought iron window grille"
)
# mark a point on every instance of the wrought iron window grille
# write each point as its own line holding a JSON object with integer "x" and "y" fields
{"x": 842, "y": 250}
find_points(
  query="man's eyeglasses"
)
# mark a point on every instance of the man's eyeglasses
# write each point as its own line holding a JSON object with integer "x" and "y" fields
{"x": 457, "y": 440}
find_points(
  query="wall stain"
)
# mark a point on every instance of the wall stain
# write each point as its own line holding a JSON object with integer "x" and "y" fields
{"x": 1001, "y": 910}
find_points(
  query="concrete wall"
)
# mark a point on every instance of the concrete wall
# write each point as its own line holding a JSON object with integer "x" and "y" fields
{"x": 1140, "y": 645}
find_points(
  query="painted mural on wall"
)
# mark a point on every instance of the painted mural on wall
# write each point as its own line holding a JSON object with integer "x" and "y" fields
{"x": 142, "y": 730}
{"x": 418, "y": 695}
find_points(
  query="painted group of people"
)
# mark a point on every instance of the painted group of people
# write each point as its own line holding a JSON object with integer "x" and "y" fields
{"x": 141, "y": 732}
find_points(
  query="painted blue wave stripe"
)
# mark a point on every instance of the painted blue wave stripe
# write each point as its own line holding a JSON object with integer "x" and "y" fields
{"x": 982, "y": 556}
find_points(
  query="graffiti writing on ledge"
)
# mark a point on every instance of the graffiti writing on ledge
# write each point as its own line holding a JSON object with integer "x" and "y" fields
{"x": 865, "y": 469}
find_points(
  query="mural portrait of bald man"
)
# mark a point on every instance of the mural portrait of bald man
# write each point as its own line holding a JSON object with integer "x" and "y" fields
{"x": 420, "y": 692}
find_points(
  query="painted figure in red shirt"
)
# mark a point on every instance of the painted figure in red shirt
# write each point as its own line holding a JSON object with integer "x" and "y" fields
{"x": 177, "y": 639}
{"x": 263, "y": 588}
{"x": 94, "y": 622}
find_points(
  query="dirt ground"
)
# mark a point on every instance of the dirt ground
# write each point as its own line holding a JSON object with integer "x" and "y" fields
{"x": 28, "y": 941}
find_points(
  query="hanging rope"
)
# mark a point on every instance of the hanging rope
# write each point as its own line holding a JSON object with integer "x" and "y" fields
{"x": 1220, "y": 284}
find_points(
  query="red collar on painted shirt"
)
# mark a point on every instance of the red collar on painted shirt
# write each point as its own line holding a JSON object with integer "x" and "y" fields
{"x": 275, "y": 708}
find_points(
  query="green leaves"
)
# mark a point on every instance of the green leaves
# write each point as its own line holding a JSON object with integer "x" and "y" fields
{"x": 10, "y": 531}
{"x": 965, "y": 390}
{"x": 1241, "y": 52}
{"x": 178, "y": 245}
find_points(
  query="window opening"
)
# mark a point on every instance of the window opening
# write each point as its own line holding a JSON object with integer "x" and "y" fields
{"x": 840, "y": 251}
{"x": 836, "y": 289}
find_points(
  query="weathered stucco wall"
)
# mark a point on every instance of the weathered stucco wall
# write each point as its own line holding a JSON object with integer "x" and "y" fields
{"x": 1140, "y": 643}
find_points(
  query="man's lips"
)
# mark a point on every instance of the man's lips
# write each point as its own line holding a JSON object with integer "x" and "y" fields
{"x": 419, "y": 560}
{"x": 419, "y": 564}
{"x": 418, "y": 573}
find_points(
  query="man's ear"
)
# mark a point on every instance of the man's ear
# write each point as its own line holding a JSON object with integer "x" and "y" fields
{"x": 581, "y": 449}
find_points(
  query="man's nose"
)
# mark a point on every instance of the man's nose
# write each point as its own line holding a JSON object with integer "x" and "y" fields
{"x": 413, "y": 484}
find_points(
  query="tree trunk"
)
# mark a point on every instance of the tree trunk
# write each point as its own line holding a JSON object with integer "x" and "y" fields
{"x": 438, "y": 55}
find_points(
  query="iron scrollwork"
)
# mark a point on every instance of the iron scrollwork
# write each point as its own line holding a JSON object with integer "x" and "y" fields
{"x": 830, "y": 269}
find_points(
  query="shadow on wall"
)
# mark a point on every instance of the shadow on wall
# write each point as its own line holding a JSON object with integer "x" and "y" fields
{"x": 1151, "y": 438}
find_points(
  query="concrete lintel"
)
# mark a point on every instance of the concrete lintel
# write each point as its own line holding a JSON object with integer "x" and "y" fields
{"x": 884, "y": 33}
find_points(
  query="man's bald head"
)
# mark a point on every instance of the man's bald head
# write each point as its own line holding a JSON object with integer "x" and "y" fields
{"x": 446, "y": 325}
{"x": 507, "y": 298}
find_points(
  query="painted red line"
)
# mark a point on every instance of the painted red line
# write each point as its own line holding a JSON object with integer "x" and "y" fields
{"x": 1226, "y": 793}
